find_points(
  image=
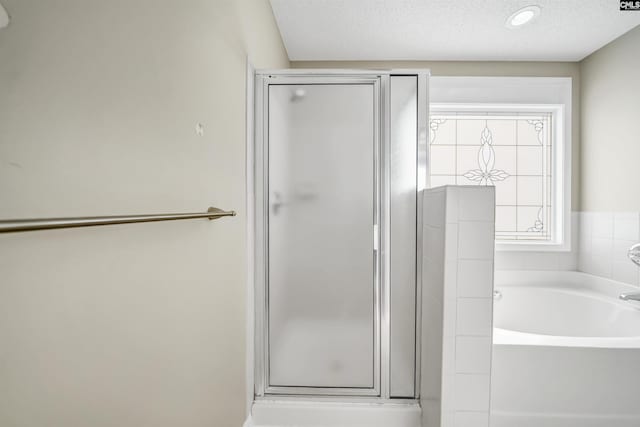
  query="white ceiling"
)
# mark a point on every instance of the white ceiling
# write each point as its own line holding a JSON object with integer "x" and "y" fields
{"x": 566, "y": 30}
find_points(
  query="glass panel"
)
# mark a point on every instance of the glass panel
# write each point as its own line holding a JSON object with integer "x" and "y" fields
{"x": 509, "y": 150}
{"x": 402, "y": 186}
{"x": 321, "y": 281}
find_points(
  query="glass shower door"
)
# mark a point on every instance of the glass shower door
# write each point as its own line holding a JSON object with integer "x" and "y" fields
{"x": 322, "y": 309}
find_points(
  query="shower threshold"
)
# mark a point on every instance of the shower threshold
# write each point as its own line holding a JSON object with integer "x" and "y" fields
{"x": 307, "y": 413}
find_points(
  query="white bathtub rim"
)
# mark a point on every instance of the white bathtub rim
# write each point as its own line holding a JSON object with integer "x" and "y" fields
{"x": 570, "y": 282}
{"x": 571, "y": 288}
{"x": 509, "y": 338}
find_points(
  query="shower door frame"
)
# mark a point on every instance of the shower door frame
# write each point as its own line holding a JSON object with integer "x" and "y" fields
{"x": 263, "y": 81}
{"x": 382, "y": 141}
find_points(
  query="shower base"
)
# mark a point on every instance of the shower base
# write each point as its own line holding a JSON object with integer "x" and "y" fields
{"x": 290, "y": 413}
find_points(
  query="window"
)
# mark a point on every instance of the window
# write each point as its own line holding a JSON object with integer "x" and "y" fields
{"x": 515, "y": 148}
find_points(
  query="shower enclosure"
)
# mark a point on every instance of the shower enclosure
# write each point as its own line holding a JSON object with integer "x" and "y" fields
{"x": 336, "y": 232}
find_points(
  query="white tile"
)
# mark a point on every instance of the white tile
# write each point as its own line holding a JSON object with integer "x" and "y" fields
{"x": 432, "y": 278}
{"x": 452, "y": 202}
{"x": 541, "y": 261}
{"x": 474, "y": 316}
{"x": 601, "y": 266}
{"x": 626, "y": 272}
{"x": 431, "y": 412}
{"x": 434, "y": 208}
{"x": 506, "y": 260}
{"x": 575, "y": 224}
{"x": 451, "y": 278}
{"x": 473, "y": 355}
{"x": 433, "y": 244}
{"x": 449, "y": 355}
{"x": 450, "y": 317}
{"x": 584, "y": 242}
{"x": 585, "y": 236}
{"x": 601, "y": 256}
{"x": 476, "y": 204}
{"x": 621, "y": 249}
{"x": 472, "y": 392}
{"x": 451, "y": 242}
{"x": 471, "y": 419}
{"x": 448, "y": 418}
{"x": 568, "y": 261}
{"x": 448, "y": 392}
{"x": 475, "y": 278}
{"x": 602, "y": 247}
{"x": 476, "y": 240}
{"x": 626, "y": 226}
{"x": 584, "y": 263}
{"x": 603, "y": 225}
{"x": 433, "y": 273}
{"x": 586, "y": 224}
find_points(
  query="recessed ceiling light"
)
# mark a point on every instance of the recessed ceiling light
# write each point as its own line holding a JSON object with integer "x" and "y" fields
{"x": 522, "y": 16}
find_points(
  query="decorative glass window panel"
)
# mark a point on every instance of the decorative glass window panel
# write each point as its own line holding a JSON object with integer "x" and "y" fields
{"x": 511, "y": 151}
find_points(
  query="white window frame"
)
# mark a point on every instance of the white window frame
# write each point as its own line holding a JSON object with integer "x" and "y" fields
{"x": 527, "y": 95}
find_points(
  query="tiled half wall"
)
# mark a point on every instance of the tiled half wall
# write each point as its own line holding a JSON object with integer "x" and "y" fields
{"x": 458, "y": 234}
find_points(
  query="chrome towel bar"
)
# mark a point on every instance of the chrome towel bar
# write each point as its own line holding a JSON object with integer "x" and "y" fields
{"x": 13, "y": 225}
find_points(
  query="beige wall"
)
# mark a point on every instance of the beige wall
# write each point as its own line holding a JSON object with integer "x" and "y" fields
{"x": 132, "y": 325}
{"x": 610, "y": 88}
{"x": 470, "y": 68}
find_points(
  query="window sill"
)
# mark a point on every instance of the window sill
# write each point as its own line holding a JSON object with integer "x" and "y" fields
{"x": 532, "y": 247}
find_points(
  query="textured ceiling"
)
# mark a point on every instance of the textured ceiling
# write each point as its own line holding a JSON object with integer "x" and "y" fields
{"x": 566, "y": 30}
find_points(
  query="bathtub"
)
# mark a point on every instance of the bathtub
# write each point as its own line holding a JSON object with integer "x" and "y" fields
{"x": 566, "y": 351}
